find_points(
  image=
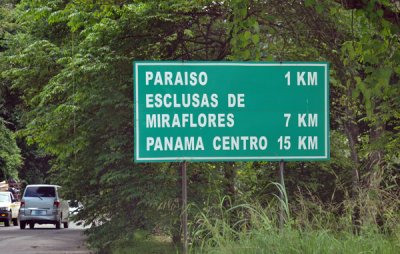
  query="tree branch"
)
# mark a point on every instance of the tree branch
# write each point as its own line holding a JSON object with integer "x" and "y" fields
{"x": 388, "y": 14}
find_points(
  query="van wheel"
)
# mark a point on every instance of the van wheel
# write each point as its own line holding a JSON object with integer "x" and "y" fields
{"x": 7, "y": 223}
{"x": 58, "y": 224}
{"x": 31, "y": 225}
{"x": 22, "y": 225}
{"x": 15, "y": 222}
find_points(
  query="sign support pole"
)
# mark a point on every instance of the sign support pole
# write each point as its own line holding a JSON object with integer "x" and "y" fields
{"x": 281, "y": 194}
{"x": 184, "y": 208}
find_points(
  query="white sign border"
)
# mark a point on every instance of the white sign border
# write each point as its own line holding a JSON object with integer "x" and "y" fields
{"x": 227, "y": 158}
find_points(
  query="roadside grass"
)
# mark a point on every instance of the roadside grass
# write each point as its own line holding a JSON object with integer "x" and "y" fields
{"x": 250, "y": 228}
{"x": 296, "y": 241}
{"x": 141, "y": 242}
{"x": 259, "y": 234}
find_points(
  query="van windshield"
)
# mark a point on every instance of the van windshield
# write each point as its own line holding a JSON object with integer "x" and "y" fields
{"x": 40, "y": 192}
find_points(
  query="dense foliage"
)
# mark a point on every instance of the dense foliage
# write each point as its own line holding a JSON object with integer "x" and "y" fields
{"x": 66, "y": 73}
{"x": 10, "y": 154}
{"x": 10, "y": 157}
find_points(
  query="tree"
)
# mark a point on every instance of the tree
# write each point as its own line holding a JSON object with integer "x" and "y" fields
{"x": 10, "y": 155}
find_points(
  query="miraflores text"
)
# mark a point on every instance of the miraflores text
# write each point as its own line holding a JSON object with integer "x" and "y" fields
{"x": 190, "y": 120}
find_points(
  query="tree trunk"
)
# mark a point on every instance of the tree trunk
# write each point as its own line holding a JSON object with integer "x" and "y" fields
{"x": 352, "y": 132}
{"x": 375, "y": 171}
{"x": 375, "y": 160}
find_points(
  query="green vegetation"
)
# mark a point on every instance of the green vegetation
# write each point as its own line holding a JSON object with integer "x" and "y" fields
{"x": 297, "y": 241}
{"x": 255, "y": 230}
{"x": 66, "y": 99}
{"x": 10, "y": 155}
{"x": 144, "y": 242}
{"x": 320, "y": 231}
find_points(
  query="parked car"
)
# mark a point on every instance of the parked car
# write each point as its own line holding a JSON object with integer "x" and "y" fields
{"x": 8, "y": 208}
{"x": 42, "y": 204}
{"x": 74, "y": 207}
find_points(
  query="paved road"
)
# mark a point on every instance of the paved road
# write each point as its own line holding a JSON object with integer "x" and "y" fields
{"x": 43, "y": 239}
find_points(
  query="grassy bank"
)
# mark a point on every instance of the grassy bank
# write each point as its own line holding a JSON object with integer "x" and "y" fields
{"x": 310, "y": 227}
{"x": 249, "y": 228}
{"x": 272, "y": 241}
{"x": 142, "y": 242}
{"x": 296, "y": 241}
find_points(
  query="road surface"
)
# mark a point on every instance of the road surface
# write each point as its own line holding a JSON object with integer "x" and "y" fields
{"x": 43, "y": 239}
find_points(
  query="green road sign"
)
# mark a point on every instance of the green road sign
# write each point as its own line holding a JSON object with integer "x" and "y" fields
{"x": 231, "y": 111}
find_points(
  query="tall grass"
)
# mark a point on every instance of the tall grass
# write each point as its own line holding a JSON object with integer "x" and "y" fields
{"x": 312, "y": 228}
{"x": 297, "y": 241}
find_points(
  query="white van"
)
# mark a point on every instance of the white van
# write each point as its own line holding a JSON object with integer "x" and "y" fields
{"x": 42, "y": 204}
{"x": 8, "y": 208}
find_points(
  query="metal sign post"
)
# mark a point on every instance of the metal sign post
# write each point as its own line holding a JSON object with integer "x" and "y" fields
{"x": 184, "y": 208}
{"x": 281, "y": 194}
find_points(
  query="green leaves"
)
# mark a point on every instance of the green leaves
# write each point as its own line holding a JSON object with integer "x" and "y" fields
{"x": 245, "y": 33}
{"x": 10, "y": 154}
